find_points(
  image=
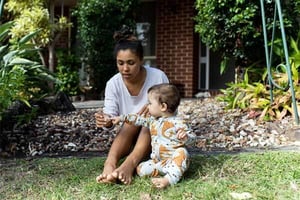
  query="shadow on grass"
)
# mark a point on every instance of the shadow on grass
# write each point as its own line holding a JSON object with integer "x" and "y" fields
{"x": 201, "y": 164}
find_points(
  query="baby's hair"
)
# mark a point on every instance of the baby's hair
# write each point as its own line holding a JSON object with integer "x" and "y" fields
{"x": 166, "y": 93}
{"x": 125, "y": 39}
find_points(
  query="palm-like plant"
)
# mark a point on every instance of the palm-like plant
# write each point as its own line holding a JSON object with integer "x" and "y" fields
{"x": 20, "y": 77}
{"x": 255, "y": 96}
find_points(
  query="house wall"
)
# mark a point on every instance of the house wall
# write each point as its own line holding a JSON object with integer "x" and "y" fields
{"x": 177, "y": 44}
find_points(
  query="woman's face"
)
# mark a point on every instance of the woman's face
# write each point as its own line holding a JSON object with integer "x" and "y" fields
{"x": 129, "y": 64}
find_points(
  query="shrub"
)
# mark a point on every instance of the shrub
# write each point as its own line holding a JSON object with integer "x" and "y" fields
{"x": 67, "y": 73}
{"x": 233, "y": 27}
{"x": 20, "y": 78}
{"x": 97, "y": 22}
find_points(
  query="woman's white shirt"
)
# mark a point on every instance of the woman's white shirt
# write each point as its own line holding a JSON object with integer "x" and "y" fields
{"x": 118, "y": 101}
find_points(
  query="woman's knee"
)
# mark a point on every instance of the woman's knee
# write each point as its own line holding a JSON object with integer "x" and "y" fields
{"x": 144, "y": 140}
{"x": 129, "y": 132}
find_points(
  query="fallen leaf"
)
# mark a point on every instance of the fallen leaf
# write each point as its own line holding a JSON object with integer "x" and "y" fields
{"x": 243, "y": 195}
{"x": 145, "y": 196}
{"x": 294, "y": 186}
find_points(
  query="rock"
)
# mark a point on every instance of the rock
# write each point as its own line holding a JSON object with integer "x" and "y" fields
{"x": 58, "y": 103}
{"x": 293, "y": 134}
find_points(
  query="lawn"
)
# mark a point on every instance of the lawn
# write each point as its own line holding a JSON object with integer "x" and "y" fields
{"x": 259, "y": 175}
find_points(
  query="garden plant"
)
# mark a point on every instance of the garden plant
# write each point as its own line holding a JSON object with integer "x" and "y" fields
{"x": 21, "y": 79}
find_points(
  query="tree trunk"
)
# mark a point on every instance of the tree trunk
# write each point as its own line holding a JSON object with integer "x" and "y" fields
{"x": 51, "y": 45}
{"x": 1, "y": 130}
{"x": 51, "y": 57}
{"x": 42, "y": 58}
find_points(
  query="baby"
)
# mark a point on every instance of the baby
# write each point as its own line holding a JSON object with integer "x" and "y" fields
{"x": 169, "y": 136}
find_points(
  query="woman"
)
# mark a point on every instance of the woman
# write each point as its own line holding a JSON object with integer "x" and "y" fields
{"x": 126, "y": 92}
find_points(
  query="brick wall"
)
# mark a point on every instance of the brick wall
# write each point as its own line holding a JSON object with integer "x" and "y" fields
{"x": 177, "y": 44}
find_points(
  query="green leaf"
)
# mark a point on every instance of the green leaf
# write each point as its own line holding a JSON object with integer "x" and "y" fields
{"x": 3, "y": 35}
{"x": 28, "y": 37}
{"x": 3, "y": 48}
{"x": 246, "y": 77}
{"x": 236, "y": 99}
{"x": 294, "y": 45}
{"x": 21, "y": 61}
{"x": 6, "y": 26}
{"x": 26, "y": 102}
{"x": 223, "y": 65}
{"x": 8, "y": 57}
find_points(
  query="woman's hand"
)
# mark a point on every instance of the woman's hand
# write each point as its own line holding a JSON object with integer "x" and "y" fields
{"x": 103, "y": 120}
{"x": 144, "y": 111}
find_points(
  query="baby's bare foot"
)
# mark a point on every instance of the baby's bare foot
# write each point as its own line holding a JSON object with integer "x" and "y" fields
{"x": 160, "y": 183}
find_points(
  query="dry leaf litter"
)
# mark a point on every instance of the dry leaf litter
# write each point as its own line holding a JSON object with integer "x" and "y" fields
{"x": 217, "y": 129}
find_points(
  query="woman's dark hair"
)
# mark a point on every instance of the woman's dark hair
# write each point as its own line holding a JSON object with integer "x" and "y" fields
{"x": 166, "y": 93}
{"x": 125, "y": 39}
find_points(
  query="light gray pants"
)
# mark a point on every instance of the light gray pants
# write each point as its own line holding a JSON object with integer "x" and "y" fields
{"x": 172, "y": 168}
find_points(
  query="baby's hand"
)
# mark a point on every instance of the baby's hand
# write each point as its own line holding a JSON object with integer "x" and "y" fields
{"x": 181, "y": 134}
{"x": 116, "y": 120}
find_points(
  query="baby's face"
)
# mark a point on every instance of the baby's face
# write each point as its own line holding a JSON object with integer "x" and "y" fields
{"x": 154, "y": 106}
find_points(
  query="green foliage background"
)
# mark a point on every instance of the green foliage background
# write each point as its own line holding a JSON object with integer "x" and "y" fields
{"x": 32, "y": 15}
{"x": 67, "y": 73}
{"x": 234, "y": 27}
{"x": 97, "y": 22}
{"x": 21, "y": 79}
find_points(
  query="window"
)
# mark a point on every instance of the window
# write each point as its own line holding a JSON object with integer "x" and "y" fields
{"x": 203, "y": 67}
{"x": 146, "y": 29}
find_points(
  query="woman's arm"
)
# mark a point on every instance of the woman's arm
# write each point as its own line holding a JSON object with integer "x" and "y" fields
{"x": 103, "y": 116}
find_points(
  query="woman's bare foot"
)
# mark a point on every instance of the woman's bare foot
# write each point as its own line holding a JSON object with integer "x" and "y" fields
{"x": 105, "y": 178}
{"x": 160, "y": 183}
{"x": 106, "y": 175}
{"x": 125, "y": 172}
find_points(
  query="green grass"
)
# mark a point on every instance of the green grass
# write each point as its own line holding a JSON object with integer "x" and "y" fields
{"x": 265, "y": 175}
